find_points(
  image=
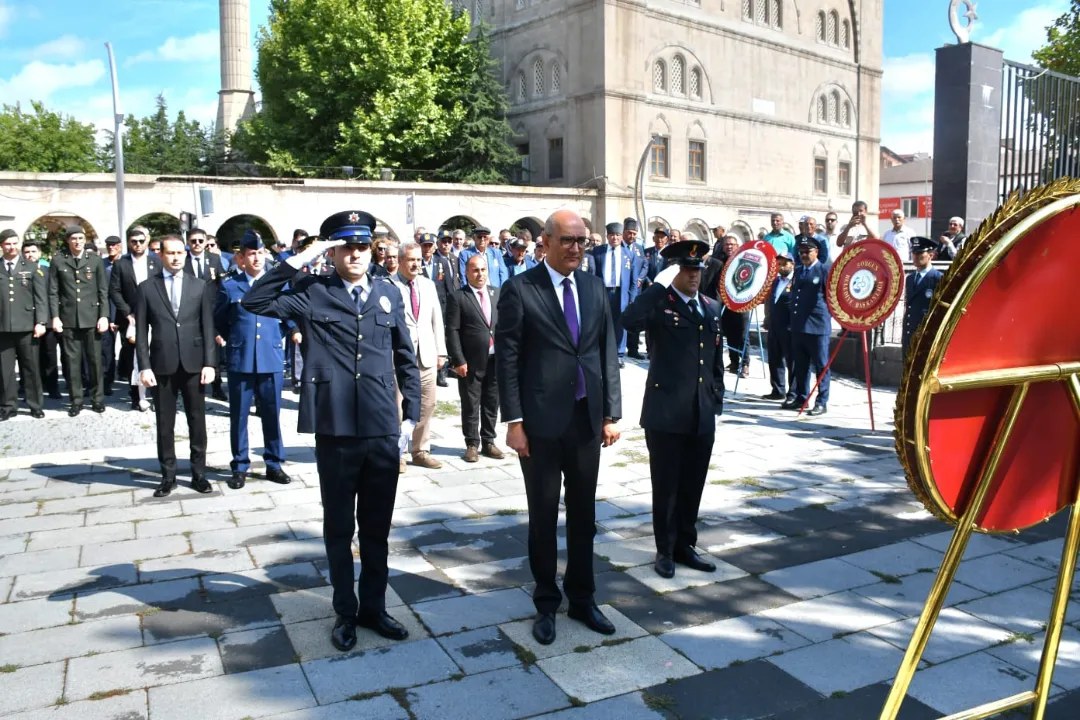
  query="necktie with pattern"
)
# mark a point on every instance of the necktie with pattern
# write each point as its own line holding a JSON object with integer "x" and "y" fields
{"x": 414, "y": 298}
{"x": 570, "y": 313}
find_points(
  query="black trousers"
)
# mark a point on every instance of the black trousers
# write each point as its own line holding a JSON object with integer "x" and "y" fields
{"x": 21, "y": 346}
{"x": 781, "y": 362}
{"x": 168, "y": 387}
{"x": 47, "y": 367}
{"x": 81, "y": 345}
{"x": 678, "y": 464}
{"x": 108, "y": 359}
{"x": 479, "y": 404}
{"x": 733, "y": 325}
{"x": 574, "y": 456}
{"x": 358, "y": 482}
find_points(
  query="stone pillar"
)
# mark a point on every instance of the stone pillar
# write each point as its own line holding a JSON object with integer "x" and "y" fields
{"x": 967, "y": 134}
{"x": 235, "y": 99}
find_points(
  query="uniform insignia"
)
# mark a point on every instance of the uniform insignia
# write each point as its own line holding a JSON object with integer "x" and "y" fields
{"x": 353, "y": 217}
{"x": 693, "y": 251}
{"x": 929, "y": 293}
{"x": 669, "y": 311}
{"x": 384, "y": 303}
{"x": 817, "y": 281}
{"x": 745, "y": 272}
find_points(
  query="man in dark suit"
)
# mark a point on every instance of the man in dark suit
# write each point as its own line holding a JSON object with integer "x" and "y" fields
{"x": 557, "y": 366}
{"x": 437, "y": 268}
{"x": 734, "y": 323}
{"x": 617, "y": 265}
{"x": 811, "y": 325}
{"x": 24, "y": 312}
{"x": 678, "y": 414}
{"x": 471, "y": 316}
{"x": 778, "y": 310}
{"x": 124, "y": 279}
{"x": 207, "y": 267}
{"x": 358, "y": 353}
{"x": 254, "y": 349}
{"x": 178, "y": 309}
{"x": 79, "y": 308}
{"x": 919, "y": 286}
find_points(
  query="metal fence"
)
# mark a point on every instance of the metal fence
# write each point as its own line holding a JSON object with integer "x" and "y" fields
{"x": 1040, "y": 127}
{"x": 891, "y": 331}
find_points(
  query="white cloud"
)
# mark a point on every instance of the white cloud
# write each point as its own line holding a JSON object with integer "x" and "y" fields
{"x": 1026, "y": 33}
{"x": 39, "y": 80}
{"x": 907, "y": 76}
{"x": 200, "y": 47}
{"x": 65, "y": 47}
{"x": 7, "y": 14}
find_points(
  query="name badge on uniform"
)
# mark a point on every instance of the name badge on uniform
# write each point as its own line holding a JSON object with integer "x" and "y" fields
{"x": 384, "y": 303}
{"x": 929, "y": 293}
{"x": 817, "y": 280}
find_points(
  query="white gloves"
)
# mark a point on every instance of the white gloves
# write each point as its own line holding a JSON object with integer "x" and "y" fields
{"x": 665, "y": 276}
{"x": 407, "y": 427}
{"x": 311, "y": 252}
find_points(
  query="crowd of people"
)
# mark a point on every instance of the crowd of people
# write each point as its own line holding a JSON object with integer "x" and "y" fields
{"x": 364, "y": 329}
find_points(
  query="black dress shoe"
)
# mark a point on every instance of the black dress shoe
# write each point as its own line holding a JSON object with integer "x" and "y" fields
{"x": 165, "y": 487}
{"x": 690, "y": 558}
{"x": 772, "y": 396}
{"x": 201, "y": 485}
{"x": 664, "y": 566}
{"x": 383, "y": 624}
{"x": 790, "y": 405}
{"x": 817, "y": 410}
{"x": 593, "y": 619}
{"x": 74, "y": 410}
{"x": 220, "y": 395}
{"x": 56, "y": 395}
{"x": 4, "y": 415}
{"x": 237, "y": 480}
{"x": 38, "y": 413}
{"x": 441, "y": 382}
{"x": 98, "y": 407}
{"x": 635, "y": 354}
{"x": 343, "y": 636}
{"x": 544, "y": 628}
{"x": 277, "y": 475}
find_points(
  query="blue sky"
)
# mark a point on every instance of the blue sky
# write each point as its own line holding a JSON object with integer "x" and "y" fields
{"x": 53, "y": 50}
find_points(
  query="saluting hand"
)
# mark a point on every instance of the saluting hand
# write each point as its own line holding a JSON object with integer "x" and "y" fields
{"x": 311, "y": 252}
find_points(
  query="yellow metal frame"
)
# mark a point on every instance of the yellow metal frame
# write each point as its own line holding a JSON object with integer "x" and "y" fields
{"x": 1012, "y": 222}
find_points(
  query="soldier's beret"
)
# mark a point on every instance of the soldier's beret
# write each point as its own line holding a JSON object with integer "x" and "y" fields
{"x": 688, "y": 253}
{"x": 9, "y": 233}
{"x": 923, "y": 244}
{"x": 614, "y": 228}
{"x": 251, "y": 240}
{"x": 630, "y": 224}
{"x": 354, "y": 226}
{"x": 73, "y": 230}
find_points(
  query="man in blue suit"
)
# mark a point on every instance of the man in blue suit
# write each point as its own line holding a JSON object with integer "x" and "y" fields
{"x": 778, "y": 310}
{"x": 497, "y": 273}
{"x": 811, "y": 326}
{"x": 619, "y": 268}
{"x": 520, "y": 260}
{"x": 254, "y": 350}
{"x": 919, "y": 286}
{"x": 357, "y": 353}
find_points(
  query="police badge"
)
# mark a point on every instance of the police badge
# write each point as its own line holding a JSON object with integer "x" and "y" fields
{"x": 745, "y": 272}
{"x": 384, "y": 303}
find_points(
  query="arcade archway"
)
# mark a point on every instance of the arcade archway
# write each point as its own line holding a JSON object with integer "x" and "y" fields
{"x": 231, "y": 231}
{"x": 48, "y": 231}
{"x": 159, "y": 224}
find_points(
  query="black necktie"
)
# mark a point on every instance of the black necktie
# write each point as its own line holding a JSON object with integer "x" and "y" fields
{"x": 10, "y": 267}
{"x": 356, "y": 298}
{"x": 692, "y": 303}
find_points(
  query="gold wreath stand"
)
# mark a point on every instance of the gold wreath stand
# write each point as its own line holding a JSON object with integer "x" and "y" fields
{"x": 1020, "y": 379}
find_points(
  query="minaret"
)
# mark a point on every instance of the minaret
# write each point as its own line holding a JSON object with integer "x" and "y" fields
{"x": 235, "y": 99}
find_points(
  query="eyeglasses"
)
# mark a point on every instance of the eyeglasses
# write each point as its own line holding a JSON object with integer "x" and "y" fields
{"x": 211, "y": 244}
{"x": 568, "y": 240}
{"x": 139, "y": 240}
{"x": 192, "y": 241}
{"x": 830, "y": 219}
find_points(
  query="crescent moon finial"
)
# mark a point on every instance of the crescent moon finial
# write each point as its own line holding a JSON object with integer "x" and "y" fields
{"x": 962, "y": 31}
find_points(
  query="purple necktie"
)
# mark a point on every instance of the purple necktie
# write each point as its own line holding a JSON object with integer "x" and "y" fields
{"x": 570, "y": 313}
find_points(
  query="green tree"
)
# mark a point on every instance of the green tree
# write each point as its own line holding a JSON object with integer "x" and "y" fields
{"x": 1062, "y": 50}
{"x": 479, "y": 147}
{"x": 155, "y": 146}
{"x": 385, "y": 89}
{"x": 45, "y": 141}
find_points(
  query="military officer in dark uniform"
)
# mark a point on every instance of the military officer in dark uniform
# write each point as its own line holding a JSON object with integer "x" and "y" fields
{"x": 357, "y": 351}
{"x": 79, "y": 308}
{"x": 919, "y": 286}
{"x": 811, "y": 325}
{"x": 24, "y": 312}
{"x": 678, "y": 414}
{"x": 778, "y": 310}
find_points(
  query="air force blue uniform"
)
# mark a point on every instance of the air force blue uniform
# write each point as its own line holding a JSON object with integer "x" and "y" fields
{"x": 918, "y": 291}
{"x": 781, "y": 356}
{"x": 811, "y": 326}
{"x": 254, "y": 355}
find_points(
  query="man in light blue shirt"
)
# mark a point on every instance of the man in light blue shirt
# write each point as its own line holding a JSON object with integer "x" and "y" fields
{"x": 497, "y": 272}
{"x": 781, "y": 240}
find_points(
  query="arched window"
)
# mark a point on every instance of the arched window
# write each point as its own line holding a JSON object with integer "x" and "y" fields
{"x": 845, "y": 35}
{"x": 478, "y": 10}
{"x": 695, "y": 83}
{"x": 834, "y": 102}
{"x": 659, "y": 77}
{"x": 776, "y": 18}
{"x": 822, "y": 109}
{"x": 819, "y": 28}
{"x": 845, "y": 114}
{"x": 747, "y": 10}
{"x": 556, "y": 78}
{"x": 759, "y": 12}
{"x": 538, "y": 77}
{"x": 521, "y": 86}
{"x": 830, "y": 30}
{"x": 677, "y": 84}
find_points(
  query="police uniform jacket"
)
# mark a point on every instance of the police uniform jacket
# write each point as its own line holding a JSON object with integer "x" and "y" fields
{"x": 685, "y": 387}
{"x": 78, "y": 289}
{"x": 809, "y": 314}
{"x": 25, "y": 302}
{"x": 253, "y": 343}
{"x": 352, "y": 359}
{"x": 917, "y": 294}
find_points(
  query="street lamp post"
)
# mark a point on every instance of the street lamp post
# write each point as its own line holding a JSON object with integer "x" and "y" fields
{"x": 118, "y": 143}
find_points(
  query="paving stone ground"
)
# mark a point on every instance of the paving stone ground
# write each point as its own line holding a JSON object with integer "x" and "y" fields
{"x": 115, "y": 605}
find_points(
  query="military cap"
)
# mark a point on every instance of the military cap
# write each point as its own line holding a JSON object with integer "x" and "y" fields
{"x": 804, "y": 219}
{"x": 630, "y": 224}
{"x": 784, "y": 255}
{"x": 480, "y": 230}
{"x": 354, "y": 226}
{"x": 73, "y": 230}
{"x": 251, "y": 240}
{"x": 427, "y": 239}
{"x": 9, "y": 233}
{"x": 688, "y": 253}
{"x": 614, "y": 228}
{"x": 923, "y": 244}
{"x": 807, "y": 242}
{"x": 112, "y": 240}
{"x": 660, "y": 231}
{"x": 445, "y": 234}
